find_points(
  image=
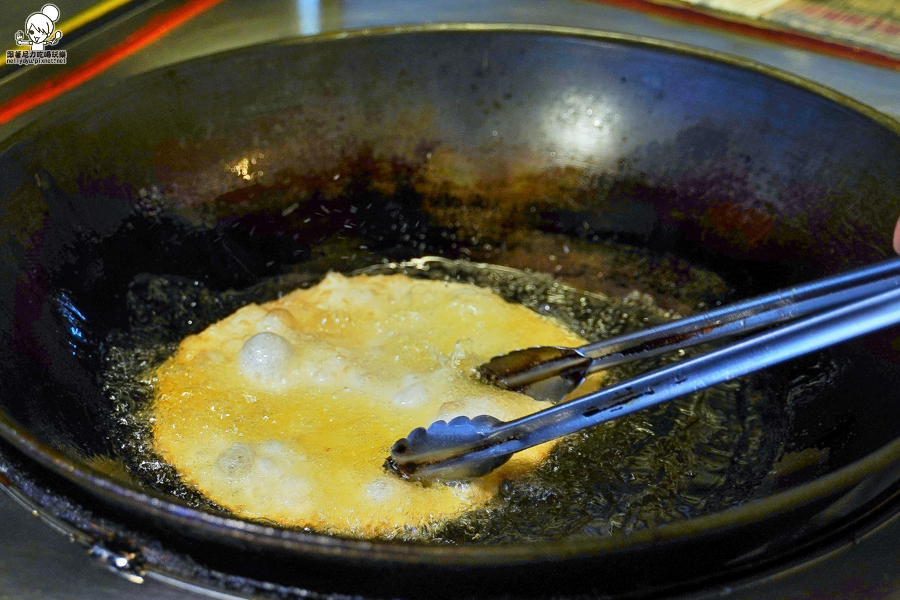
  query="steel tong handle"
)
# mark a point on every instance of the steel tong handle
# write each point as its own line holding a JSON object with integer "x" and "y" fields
{"x": 548, "y": 373}
{"x": 458, "y": 450}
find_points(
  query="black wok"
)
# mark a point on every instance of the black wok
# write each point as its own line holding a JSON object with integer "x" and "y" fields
{"x": 463, "y": 141}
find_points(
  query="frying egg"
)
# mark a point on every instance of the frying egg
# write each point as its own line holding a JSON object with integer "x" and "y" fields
{"x": 286, "y": 411}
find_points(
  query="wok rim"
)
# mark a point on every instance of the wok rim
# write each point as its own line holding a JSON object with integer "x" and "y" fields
{"x": 175, "y": 512}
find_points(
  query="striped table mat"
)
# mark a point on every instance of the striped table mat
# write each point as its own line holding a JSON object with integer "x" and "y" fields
{"x": 863, "y": 30}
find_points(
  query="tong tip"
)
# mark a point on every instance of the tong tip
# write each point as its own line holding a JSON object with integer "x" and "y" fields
{"x": 544, "y": 372}
{"x": 441, "y": 451}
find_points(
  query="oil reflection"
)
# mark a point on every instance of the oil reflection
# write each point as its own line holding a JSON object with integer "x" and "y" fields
{"x": 310, "y": 13}
{"x": 583, "y": 129}
{"x": 246, "y": 168}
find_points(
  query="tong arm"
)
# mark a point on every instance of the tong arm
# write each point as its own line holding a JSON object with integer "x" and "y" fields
{"x": 481, "y": 449}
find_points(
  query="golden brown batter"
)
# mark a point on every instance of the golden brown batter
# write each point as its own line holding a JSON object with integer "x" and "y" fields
{"x": 286, "y": 411}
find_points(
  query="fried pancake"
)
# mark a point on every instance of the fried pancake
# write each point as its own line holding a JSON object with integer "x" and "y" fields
{"x": 286, "y": 411}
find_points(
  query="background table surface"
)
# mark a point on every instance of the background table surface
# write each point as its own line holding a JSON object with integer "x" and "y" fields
{"x": 37, "y": 562}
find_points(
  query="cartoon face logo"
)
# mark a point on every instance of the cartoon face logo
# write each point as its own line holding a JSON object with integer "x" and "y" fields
{"x": 39, "y": 29}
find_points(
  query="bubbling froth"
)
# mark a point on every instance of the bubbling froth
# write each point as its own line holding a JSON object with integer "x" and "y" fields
{"x": 265, "y": 358}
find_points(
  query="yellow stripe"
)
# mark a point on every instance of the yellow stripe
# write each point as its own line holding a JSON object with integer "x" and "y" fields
{"x": 91, "y": 14}
{"x": 83, "y": 18}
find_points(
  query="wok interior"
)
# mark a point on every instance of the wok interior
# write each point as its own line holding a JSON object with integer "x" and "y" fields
{"x": 520, "y": 148}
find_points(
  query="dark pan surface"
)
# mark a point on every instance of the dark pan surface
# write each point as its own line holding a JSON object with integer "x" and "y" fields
{"x": 484, "y": 143}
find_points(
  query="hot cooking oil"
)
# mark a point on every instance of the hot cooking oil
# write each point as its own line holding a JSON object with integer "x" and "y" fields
{"x": 690, "y": 457}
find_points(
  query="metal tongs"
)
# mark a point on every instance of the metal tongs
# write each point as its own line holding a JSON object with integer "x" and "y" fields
{"x": 812, "y": 317}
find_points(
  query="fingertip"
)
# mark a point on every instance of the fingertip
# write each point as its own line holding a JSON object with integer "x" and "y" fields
{"x": 897, "y": 237}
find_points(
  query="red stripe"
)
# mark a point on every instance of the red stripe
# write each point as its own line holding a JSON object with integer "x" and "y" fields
{"x": 154, "y": 29}
{"x": 791, "y": 38}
